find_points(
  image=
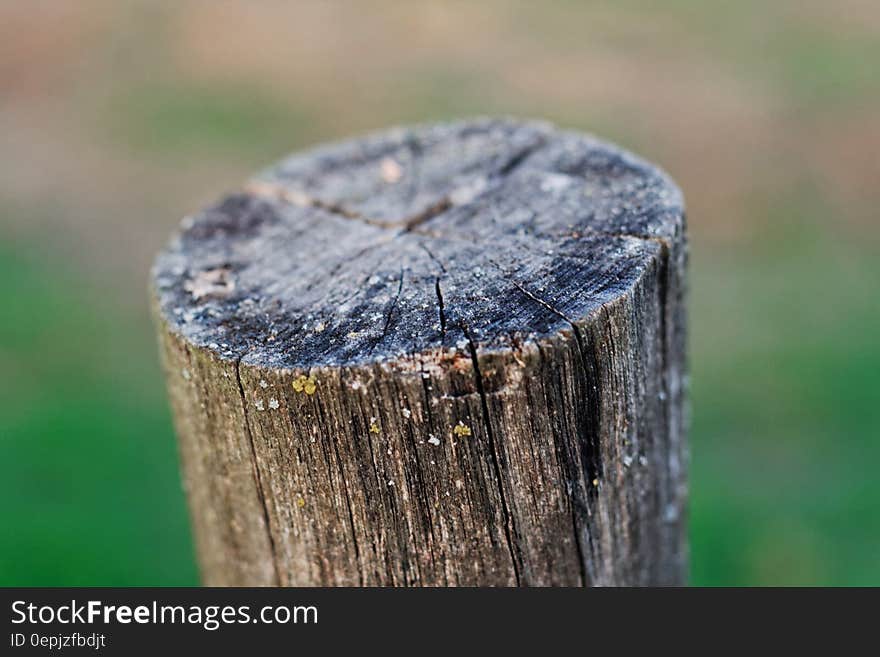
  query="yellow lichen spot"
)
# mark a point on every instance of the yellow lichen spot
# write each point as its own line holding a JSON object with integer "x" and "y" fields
{"x": 374, "y": 427}
{"x": 306, "y": 384}
{"x": 461, "y": 429}
{"x": 300, "y": 502}
{"x": 596, "y": 483}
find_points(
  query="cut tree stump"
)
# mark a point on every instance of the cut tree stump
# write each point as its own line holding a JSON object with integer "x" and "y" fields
{"x": 441, "y": 355}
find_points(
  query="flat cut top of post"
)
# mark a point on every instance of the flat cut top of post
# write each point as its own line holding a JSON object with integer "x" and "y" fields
{"x": 483, "y": 233}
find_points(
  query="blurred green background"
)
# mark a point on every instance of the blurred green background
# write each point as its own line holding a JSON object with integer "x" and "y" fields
{"x": 119, "y": 117}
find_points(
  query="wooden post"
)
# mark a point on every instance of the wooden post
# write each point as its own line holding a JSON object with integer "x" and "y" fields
{"x": 444, "y": 355}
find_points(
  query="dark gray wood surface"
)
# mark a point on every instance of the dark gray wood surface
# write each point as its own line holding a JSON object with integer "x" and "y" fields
{"x": 441, "y": 355}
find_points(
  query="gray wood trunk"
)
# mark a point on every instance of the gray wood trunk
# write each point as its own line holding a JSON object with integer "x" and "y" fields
{"x": 441, "y": 355}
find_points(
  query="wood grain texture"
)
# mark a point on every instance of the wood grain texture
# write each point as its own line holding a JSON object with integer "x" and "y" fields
{"x": 441, "y": 355}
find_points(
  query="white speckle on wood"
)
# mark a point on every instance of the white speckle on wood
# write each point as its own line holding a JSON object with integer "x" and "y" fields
{"x": 210, "y": 283}
{"x": 555, "y": 182}
{"x": 468, "y": 192}
{"x": 391, "y": 171}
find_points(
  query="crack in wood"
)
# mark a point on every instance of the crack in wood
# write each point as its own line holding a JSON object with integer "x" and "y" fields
{"x": 507, "y": 517}
{"x": 257, "y": 477}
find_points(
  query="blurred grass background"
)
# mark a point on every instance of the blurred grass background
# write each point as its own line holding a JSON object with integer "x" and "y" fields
{"x": 119, "y": 117}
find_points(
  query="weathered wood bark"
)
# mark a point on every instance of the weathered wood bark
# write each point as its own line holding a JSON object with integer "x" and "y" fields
{"x": 446, "y": 355}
